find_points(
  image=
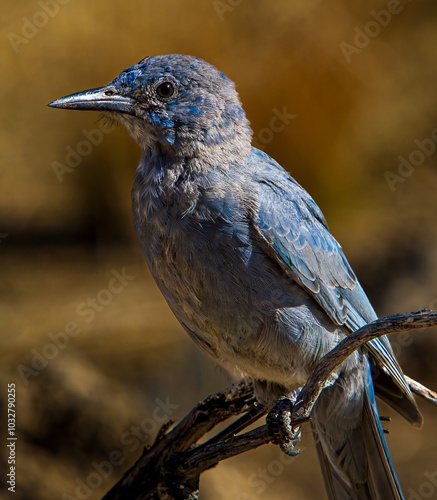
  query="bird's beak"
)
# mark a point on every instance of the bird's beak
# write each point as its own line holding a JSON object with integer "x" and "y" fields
{"x": 99, "y": 99}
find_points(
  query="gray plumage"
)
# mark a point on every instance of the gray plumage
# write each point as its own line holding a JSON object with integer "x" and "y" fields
{"x": 246, "y": 262}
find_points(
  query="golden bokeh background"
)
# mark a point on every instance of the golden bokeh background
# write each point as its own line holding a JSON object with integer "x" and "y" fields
{"x": 363, "y": 103}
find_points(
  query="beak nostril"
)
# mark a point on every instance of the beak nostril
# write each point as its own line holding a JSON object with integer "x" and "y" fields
{"x": 109, "y": 92}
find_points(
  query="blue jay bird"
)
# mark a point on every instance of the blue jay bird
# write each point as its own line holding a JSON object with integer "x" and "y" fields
{"x": 246, "y": 262}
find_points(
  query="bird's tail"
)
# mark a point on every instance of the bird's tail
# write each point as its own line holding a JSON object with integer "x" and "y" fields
{"x": 357, "y": 464}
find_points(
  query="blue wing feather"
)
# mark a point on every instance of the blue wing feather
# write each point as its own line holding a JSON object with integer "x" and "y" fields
{"x": 294, "y": 232}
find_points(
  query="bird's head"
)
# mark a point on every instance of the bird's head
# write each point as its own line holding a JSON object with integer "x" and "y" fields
{"x": 175, "y": 102}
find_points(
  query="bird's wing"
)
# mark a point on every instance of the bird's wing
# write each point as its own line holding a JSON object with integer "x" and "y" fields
{"x": 296, "y": 235}
{"x": 292, "y": 230}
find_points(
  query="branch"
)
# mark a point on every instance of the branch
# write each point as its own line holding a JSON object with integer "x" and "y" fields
{"x": 396, "y": 323}
{"x": 421, "y": 390}
{"x": 171, "y": 466}
{"x": 147, "y": 478}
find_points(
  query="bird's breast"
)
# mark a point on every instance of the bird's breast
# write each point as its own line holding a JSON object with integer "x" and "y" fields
{"x": 234, "y": 301}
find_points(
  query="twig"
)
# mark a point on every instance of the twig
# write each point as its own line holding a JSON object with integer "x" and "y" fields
{"x": 421, "y": 390}
{"x": 385, "y": 326}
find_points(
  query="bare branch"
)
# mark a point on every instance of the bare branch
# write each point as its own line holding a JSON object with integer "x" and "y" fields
{"x": 171, "y": 466}
{"x": 385, "y": 326}
{"x": 147, "y": 479}
{"x": 421, "y": 390}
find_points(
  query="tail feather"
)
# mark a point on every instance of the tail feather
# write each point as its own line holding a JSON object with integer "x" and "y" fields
{"x": 361, "y": 468}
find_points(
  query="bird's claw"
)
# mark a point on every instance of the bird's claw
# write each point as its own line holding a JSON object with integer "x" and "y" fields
{"x": 279, "y": 424}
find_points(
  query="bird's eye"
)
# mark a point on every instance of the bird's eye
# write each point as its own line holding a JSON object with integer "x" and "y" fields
{"x": 165, "y": 90}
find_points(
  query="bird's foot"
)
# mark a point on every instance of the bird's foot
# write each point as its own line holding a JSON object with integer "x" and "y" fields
{"x": 279, "y": 424}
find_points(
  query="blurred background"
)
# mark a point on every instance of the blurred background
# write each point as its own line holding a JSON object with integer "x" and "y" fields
{"x": 97, "y": 358}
